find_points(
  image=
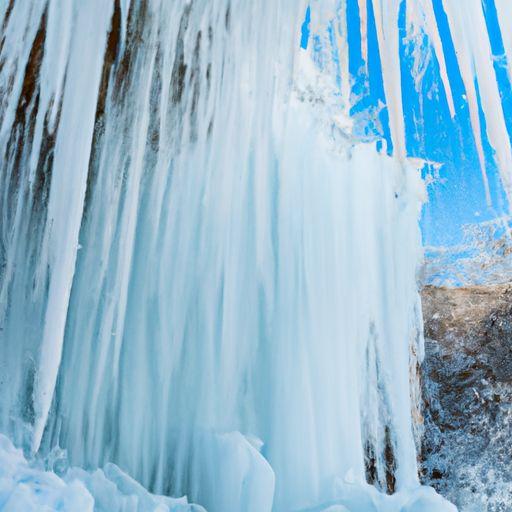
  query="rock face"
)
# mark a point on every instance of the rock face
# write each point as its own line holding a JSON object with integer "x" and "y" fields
{"x": 467, "y": 390}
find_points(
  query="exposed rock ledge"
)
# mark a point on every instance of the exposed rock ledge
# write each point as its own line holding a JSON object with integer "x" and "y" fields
{"x": 467, "y": 389}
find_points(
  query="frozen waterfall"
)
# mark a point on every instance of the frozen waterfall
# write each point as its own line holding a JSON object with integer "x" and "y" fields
{"x": 207, "y": 261}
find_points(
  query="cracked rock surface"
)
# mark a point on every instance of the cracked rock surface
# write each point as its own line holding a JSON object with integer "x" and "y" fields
{"x": 467, "y": 390}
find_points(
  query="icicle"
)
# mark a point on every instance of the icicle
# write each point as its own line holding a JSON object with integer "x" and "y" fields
{"x": 18, "y": 38}
{"x": 504, "y": 11}
{"x": 421, "y": 16}
{"x": 341, "y": 36}
{"x": 125, "y": 10}
{"x": 53, "y": 70}
{"x": 69, "y": 178}
{"x": 386, "y": 20}
{"x": 469, "y": 34}
{"x": 363, "y": 30}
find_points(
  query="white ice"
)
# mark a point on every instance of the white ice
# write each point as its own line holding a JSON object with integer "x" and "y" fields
{"x": 27, "y": 487}
{"x": 210, "y": 281}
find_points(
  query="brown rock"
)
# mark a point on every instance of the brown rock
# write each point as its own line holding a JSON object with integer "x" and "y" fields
{"x": 467, "y": 390}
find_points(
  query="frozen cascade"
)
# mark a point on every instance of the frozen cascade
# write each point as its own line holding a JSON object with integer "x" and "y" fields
{"x": 206, "y": 279}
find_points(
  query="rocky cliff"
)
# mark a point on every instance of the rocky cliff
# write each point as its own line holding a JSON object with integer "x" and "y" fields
{"x": 467, "y": 390}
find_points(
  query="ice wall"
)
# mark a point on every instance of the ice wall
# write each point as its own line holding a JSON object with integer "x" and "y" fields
{"x": 205, "y": 277}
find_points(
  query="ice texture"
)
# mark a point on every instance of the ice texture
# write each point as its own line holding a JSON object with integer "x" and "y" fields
{"x": 206, "y": 277}
{"x": 28, "y": 487}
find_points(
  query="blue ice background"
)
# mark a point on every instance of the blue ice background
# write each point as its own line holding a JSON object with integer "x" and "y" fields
{"x": 456, "y": 195}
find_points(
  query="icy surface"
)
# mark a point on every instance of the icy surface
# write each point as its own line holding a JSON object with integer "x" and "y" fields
{"x": 243, "y": 265}
{"x": 483, "y": 258}
{"x": 207, "y": 278}
{"x": 367, "y": 499}
{"x": 28, "y": 488}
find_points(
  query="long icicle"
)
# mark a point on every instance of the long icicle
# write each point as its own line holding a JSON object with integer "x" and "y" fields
{"x": 69, "y": 179}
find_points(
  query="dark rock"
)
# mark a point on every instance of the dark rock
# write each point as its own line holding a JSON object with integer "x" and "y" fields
{"x": 467, "y": 389}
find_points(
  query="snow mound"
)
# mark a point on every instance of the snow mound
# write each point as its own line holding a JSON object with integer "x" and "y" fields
{"x": 366, "y": 498}
{"x": 25, "y": 487}
{"x": 28, "y": 488}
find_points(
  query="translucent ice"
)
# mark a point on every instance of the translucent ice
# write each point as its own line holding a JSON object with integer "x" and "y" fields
{"x": 206, "y": 277}
{"x": 27, "y": 488}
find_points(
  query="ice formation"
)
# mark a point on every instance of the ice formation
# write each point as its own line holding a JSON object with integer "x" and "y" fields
{"x": 28, "y": 488}
{"x": 206, "y": 278}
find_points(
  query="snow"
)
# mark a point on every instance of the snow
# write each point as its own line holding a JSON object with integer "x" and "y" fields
{"x": 26, "y": 487}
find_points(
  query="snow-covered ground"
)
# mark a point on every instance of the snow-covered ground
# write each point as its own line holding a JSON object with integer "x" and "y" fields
{"x": 26, "y": 487}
